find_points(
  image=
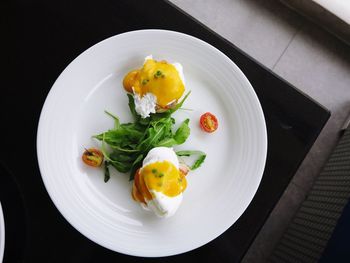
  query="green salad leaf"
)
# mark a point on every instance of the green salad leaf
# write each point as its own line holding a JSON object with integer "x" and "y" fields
{"x": 198, "y": 162}
{"x": 178, "y": 138}
{"x": 129, "y": 143}
{"x": 107, "y": 174}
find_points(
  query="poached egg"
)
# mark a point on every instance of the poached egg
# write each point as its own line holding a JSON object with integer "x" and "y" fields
{"x": 157, "y": 86}
{"x": 159, "y": 183}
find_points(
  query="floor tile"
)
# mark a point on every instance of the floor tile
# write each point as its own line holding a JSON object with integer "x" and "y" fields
{"x": 263, "y": 29}
{"x": 318, "y": 64}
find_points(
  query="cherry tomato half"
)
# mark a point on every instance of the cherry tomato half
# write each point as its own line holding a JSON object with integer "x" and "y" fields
{"x": 92, "y": 157}
{"x": 208, "y": 122}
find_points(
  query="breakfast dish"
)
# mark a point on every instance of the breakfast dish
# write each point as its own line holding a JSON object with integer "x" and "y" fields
{"x": 217, "y": 193}
{"x": 144, "y": 148}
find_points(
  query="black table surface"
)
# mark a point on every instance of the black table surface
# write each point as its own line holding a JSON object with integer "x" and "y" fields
{"x": 41, "y": 38}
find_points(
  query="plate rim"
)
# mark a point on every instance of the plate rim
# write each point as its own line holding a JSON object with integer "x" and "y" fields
{"x": 49, "y": 95}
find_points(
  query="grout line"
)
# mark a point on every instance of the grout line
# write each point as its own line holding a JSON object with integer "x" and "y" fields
{"x": 285, "y": 49}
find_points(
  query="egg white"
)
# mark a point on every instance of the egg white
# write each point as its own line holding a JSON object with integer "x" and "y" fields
{"x": 164, "y": 206}
{"x": 160, "y": 154}
{"x": 145, "y": 105}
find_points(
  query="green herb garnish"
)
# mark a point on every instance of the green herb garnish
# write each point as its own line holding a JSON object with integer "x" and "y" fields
{"x": 145, "y": 81}
{"x": 159, "y": 74}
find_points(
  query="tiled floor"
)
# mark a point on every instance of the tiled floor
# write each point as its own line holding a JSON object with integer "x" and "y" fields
{"x": 306, "y": 56}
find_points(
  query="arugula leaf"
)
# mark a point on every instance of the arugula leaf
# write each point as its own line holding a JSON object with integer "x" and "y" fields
{"x": 198, "y": 162}
{"x": 124, "y": 132}
{"x": 156, "y": 131}
{"x": 121, "y": 166}
{"x": 116, "y": 148}
{"x": 107, "y": 174}
{"x": 145, "y": 143}
{"x": 132, "y": 107}
{"x": 182, "y": 132}
{"x": 129, "y": 143}
{"x": 167, "y": 113}
{"x": 179, "y": 137}
{"x": 178, "y": 106}
{"x": 121, "y": 157}
{"x": 116, "y": 120}
{"x": 136, "y": 164}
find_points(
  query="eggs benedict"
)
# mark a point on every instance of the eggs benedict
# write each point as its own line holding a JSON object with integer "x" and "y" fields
{"x": 159, "y": 183}
{"x": 156, "y": 87}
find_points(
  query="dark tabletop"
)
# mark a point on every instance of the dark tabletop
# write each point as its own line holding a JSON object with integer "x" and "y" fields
{"x": 40, "y": 39}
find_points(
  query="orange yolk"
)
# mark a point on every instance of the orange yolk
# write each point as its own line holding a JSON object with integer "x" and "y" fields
{"x": 162, "y": 177}
{"x": 159, "y": 78}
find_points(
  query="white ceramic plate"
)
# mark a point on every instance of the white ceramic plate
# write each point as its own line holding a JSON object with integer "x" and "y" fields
{"x": 2, "y": 234}
{"x": 217, "y": 193}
